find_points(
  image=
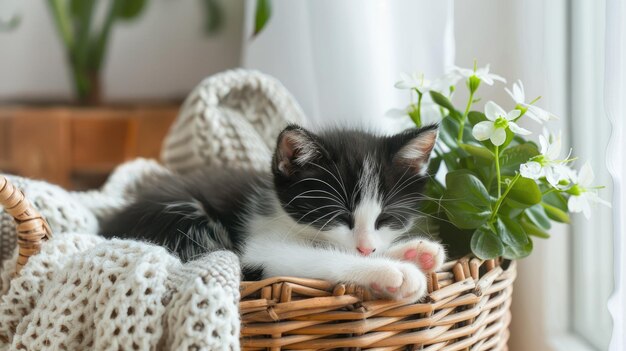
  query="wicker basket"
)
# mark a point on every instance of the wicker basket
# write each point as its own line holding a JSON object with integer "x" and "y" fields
{"x": 467, "y": 307}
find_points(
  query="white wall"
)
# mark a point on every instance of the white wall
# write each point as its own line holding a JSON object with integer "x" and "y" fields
{"x": 162, "y": 55}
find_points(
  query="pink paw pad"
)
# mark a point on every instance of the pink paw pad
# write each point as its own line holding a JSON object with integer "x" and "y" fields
{"x": 392, "y": 289}
{"x": 426, "y": 261}
{"x": 375, "y": 286}
{"x": 410, "y": 254}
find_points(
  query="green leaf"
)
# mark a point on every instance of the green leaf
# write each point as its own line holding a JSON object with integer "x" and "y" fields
{"x": 537, "y": 215}
{"x": 263, "y": 14}
{"x": 478, "y": 151}
{"x": 475, "y": 117}
{"x": 485, "y": 244}
{"x": 451, "y": 160}
{"x": 510, "y": 211}
{"x": 433, "y": 190}
{"x": 444, "y": 102}
{"x": 557, "y": 200}
{"x": 513, "y": 157}
{"x": 532, "y": 229}
{"x": 555, "y": 213}
{"x": 516, "y": 242}
{"x": 525, "y": 192}
{"x": 448, "y": 131}
{"x": 467, "y": 202}
{"x": 457, "y": 241}
{"x": 434, "y": 164}
{"x": 130, "y": 9}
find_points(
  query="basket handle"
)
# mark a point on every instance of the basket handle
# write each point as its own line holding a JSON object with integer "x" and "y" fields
{"x": 32, "y": 228}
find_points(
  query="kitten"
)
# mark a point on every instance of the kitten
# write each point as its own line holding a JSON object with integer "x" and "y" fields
{"x": 336, "y": 206}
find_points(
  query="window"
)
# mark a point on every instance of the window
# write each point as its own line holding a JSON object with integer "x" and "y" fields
{"x": 591, "y": 266}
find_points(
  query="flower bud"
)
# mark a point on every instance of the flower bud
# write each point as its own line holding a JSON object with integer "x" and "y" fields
{"x": 575, "y": 190}
{"x": 473, "y": 83}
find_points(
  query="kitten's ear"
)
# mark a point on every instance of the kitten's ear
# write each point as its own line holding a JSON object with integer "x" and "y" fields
{"x": 296, "y": 147}
{"x": 414, "y": 147}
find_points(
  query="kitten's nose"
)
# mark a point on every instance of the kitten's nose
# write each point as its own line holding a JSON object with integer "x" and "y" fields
{"x": 365, "y": 251}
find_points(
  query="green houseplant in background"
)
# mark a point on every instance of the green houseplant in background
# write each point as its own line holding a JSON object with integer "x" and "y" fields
{"x": 86, "y": 40}
{"x": 499, "y": 189}
{"x": 85, "y": 45}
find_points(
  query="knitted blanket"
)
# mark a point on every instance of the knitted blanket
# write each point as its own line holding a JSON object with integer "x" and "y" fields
{"x": 85, "y": 292}
{"x": 231, "y": 119}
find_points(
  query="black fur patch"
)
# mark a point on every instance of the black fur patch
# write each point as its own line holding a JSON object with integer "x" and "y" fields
{"x": 190, "y": 215}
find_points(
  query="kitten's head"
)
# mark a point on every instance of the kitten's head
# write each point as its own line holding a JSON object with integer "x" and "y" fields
{"x": 354, "y": 190}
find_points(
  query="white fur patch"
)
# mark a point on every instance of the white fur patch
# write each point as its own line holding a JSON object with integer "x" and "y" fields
{"x": 368, "y": 209}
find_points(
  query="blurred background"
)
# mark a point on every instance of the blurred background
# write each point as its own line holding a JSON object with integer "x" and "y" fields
{"x": 71, "y": 109}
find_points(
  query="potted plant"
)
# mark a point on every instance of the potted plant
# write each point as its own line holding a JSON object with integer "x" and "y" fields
{"x": 491, "y": 189}
{"x": 78, "y": 144}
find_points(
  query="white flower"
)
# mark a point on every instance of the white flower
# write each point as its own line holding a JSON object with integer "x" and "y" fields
{"x": 547, "y": 163}
{"x": 582, "y": 194}
{"x": 429, "y": 114}
{"x": 532, "y": 170}
{"x": 413, "y": 81}
{"x": 536, "y": 113}
{"x": 444, "y": 83}
{"x": 481, "y": 73}
{"x": 495, "y": 127}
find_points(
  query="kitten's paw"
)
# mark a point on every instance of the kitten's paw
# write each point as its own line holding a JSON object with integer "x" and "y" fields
{"x": 427, "y": 255}
{"x": 397, "y": 280}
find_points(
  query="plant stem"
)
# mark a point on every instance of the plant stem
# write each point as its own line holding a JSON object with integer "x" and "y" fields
{"x": 464, "y": 117}
{"x": 501, "y": 198}
{"x": 419, "y": 109}
{"x": 497, "y": 157}
{"x": 548, "y": 191}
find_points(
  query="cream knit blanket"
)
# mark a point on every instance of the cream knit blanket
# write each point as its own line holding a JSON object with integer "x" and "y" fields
{"x": 84, "y": 292}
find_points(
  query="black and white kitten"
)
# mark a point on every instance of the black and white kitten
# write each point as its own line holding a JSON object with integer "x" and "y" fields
{"x": 337, "y": 206}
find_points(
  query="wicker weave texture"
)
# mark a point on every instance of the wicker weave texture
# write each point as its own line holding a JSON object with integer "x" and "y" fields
{"x": 467, "y": 309}
{"x": 32, "y": 228}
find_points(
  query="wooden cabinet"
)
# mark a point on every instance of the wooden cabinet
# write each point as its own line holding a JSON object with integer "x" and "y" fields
{"x": 78, "y": 147}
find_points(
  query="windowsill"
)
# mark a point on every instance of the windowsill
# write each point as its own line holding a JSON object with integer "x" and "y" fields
{"x": 569, "y": 342}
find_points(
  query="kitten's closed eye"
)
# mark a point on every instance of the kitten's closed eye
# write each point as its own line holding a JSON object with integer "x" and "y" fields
{"x": 346, "y": 219}
{"x": 383, "y": 219}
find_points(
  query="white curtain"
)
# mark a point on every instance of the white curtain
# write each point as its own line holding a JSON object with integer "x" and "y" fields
{"x": 615, "y": 88}
{"x": 341, "y": 58}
